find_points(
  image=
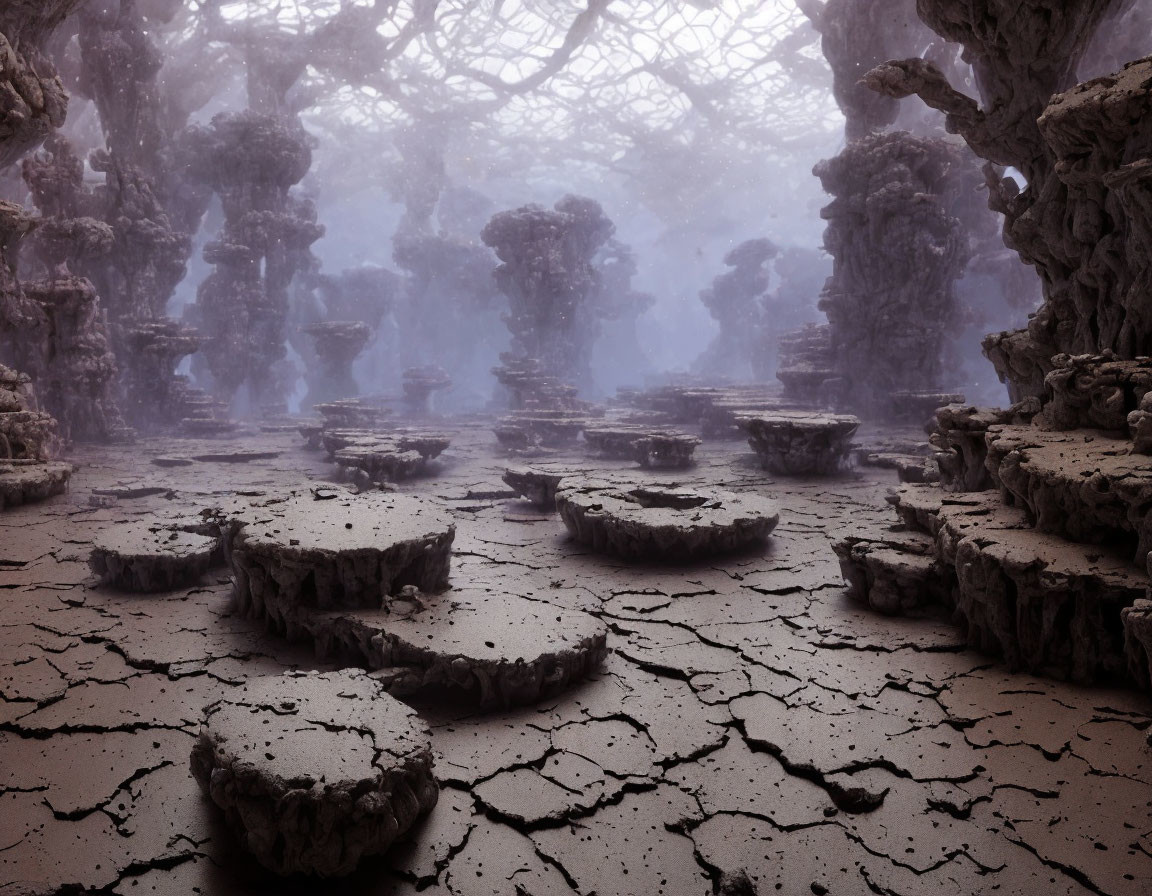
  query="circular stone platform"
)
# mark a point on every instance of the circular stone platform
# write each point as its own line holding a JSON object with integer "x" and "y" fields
{"x": 314, "y": 771}
{"x": 148, "y": 557}
{"x": 340, "y": 554}
{"x": 667, "y": 522}
{"x": 364, "y": 596}
{"x": 801, "y": 444}
{"x": 27, "y": 482}
{"x": 384, "y": 457}
{"x": 499, "y": 649}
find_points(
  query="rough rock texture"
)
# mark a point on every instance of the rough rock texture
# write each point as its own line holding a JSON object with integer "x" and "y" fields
{"x": 155, "y": 396}
{"x": 529, "y": 386}
{"x": 535, "y": 485}
{"x": 28, "y": 441}
{"x": 1081, "y": 154}
{"x": 496, "y": 650}
{"x": 34, "y": 102}
{"x": 251, "y": 160}
{"x": 1085, "y": 486}
{"x": 749, "y": 714}
{"x": 640, "y": 522}
{"x": 795, "y": 444}
{"x": 721, "y": 411}
{"x": 315, "y": 771}
{"x": 1095, "y": 392}
{"x": 854, "y": 37}
{"x": 898, "y": 250}
{"x": 380, "y": 458}
{"x": 665, "y": 450}
{"x": 342, "y": 554}
{"x": 546, "y": 272}
{"x": 27, "y": 483}
{"x": 1048, "y": 606}
{"x": 899, "y": 167}
{"x": 1137, "y": 621}
{"x": 357, "y": 578}
{"x": 79, "y": 385}
{"x": 25, "y": 433}
{"x": 919, "y": 407}
{"x": 151, "y": 557}
{"x": 144, "y": 103}
{"x": 894, "y": 572}
{"x": 960, "y": 440}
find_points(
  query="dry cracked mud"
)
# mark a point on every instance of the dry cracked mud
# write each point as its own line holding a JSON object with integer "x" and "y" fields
{"x": 751, "y": 724}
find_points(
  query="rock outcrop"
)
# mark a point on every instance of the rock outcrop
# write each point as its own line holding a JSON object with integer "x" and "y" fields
{"x": 801, "y": 444}
{"x": 649, "y": 522}
{"x": 315, "y": 771}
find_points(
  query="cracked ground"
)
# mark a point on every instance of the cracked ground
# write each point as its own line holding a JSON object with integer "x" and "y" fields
{"x": 750, "y": 717}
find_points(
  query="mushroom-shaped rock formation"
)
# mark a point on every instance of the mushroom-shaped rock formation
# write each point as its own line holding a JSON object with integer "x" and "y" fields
{"x": 315, "y": 771}
{"x": 735, "y": 300}
{"x": 419, "y": 384}
{"x": 666, "y": 522}
{"x": 150, "y": 557}
{"x": 801, "y": 444}
{"x": 338, "y": 343}
{"x": 547, "y": 273}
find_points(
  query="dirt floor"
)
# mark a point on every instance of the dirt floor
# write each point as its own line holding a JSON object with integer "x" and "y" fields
{"x": 749, "y": 716}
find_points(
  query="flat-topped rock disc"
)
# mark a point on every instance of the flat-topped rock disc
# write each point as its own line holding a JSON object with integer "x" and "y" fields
{"x": 668, "y": 522}
{"x": 314, "y": 771}
{"x": 799, "y": 443}
{"x": 348, "y": 553}
{"x": 499, "y": 649}
{"x": 650, "y": 447}
{"x": 150, "y": 557}
{"x": 26, "y": 483}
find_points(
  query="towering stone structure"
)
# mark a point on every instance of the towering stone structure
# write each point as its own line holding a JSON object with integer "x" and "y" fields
{"x": 548, "y": 275}
{"x": 1038, "y": 537}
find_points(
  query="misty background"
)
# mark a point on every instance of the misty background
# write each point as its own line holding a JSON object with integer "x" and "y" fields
{"x": 695, "y": 124}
